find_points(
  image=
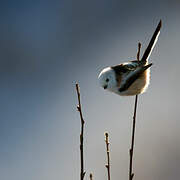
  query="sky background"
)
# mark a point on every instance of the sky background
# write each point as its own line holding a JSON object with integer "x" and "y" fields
{"x": 45, "y": 47}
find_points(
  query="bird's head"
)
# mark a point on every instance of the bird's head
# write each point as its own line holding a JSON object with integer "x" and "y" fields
{"x": 107, "y": 79}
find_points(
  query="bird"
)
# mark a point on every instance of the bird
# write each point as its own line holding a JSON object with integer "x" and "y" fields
{"x": 130, "y": 78}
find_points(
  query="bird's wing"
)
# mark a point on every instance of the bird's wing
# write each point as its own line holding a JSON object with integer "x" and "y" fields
{"x": 131, "y": 77}
{"x": 152, "y": 43}
{"x": 127, "y": 67}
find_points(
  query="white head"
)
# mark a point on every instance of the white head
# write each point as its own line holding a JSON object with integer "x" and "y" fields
{"x": 107, "y": 79}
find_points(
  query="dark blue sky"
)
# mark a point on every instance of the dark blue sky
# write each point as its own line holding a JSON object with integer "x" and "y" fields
{"x": 45, "y": 47}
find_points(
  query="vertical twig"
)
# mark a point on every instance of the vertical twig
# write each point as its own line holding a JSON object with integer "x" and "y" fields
{"x": 82, "y": 173}
{"x": 131, "y": 151}
{"x": 91, "y": 177}
{"x": 108, "y": 154}
{"x": 139, "y": 49}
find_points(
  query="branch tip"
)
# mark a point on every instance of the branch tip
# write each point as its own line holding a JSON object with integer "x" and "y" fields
{"x": 106, "y": 134}
{"x": 139, "y": 49}
{"x": 90, "y": 176}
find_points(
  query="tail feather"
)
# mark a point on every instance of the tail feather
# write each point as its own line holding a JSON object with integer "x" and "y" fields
{"x": 152, "y": 43}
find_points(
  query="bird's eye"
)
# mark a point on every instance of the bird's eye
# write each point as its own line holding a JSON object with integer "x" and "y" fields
{"x": 107, "y": 80}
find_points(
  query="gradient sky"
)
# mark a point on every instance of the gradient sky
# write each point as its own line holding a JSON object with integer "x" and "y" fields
{"x": 45, "y": 47}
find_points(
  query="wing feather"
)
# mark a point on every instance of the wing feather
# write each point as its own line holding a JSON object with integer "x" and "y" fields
{"x": 132, "y": 77}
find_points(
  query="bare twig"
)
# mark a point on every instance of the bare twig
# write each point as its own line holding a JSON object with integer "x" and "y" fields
{"x": 108, "y": 154}
{"x": 131, "y": 151}
{"x": 91, "y": 177}
{"x": 139, "y": 49}
{"x": 82, "y": 173}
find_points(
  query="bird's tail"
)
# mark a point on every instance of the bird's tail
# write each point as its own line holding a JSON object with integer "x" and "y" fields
{"x": 152, "y": 43}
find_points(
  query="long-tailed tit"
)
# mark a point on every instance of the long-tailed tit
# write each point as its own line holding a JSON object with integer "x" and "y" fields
{"x": 130, "y": 78}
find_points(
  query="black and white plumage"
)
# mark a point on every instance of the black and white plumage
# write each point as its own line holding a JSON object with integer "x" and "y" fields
{"x": 130, "y": 78}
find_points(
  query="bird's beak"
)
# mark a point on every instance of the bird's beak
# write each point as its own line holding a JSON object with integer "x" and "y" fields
{"x": 105, "y": 87}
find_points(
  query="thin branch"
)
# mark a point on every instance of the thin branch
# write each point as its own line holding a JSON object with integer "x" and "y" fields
{"x": 131, "y": 151}
{"x": 139, "y": 50}
{"x": 91, "y": 177}
{"x": 108, "y": 154}
{"x": 82, "y": 173}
